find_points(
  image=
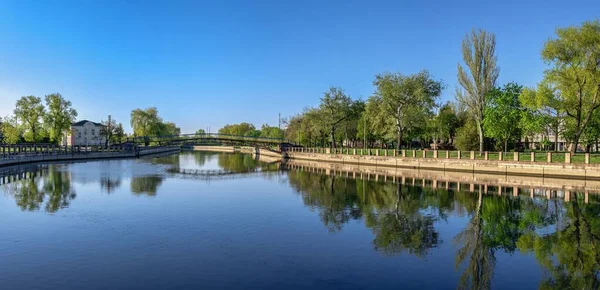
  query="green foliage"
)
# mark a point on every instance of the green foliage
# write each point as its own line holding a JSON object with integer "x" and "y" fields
{"x": 267, "y": 131}
{"x": 119, "y": 134}
{"x": 59, "y": 117}
{"x": 479, "y": 76}
{"x": 112, "y": 132}
{"x": 335, "y": 108}
{"x": 148, "y": 123}
{"x": 10, "y": 130}
{"x": 445, "y": 123}
{"x": 30, "y": 111}
{"x": 466, "y": 137}
{"x": 240, "y": 129}
{"x": 200, "y": 132}
{"x": 503, "y": 113}
{"x": 405, "y": 100}
{"x": 574, "y": 56}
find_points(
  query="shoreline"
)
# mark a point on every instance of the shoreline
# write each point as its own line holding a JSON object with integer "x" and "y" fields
{"x": 86, "y": 156}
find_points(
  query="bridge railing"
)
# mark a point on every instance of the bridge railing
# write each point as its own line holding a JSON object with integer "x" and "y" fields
{"x": 216, "y": 136}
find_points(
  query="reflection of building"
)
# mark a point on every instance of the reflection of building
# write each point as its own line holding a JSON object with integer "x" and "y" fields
{"x": 85, "y": 133}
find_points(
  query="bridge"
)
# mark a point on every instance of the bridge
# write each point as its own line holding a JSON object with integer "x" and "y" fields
{"x": 212, "y": 137}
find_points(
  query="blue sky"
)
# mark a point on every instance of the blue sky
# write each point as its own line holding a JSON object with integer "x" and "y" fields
{"x": 209, "y": 63}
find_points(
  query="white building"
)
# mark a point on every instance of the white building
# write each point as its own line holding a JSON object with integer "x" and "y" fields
{"x": 85, "y": 133}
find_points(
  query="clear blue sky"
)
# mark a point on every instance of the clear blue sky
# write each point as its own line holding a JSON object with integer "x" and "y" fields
{"x": 209, "y": 63}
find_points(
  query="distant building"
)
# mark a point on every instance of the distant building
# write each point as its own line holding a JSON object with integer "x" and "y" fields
{"x": 85, "y": 133}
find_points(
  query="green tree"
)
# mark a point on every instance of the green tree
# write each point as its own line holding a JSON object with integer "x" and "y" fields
{"x": 108, "y": 130}
{"x": 119, "y": 134}
{"x": 267, "y": 131}
{"x": 334, "y": 109}
{"x": 502, "y": 114}
{"x": 479, "y": 77}
{"x": 237, "y": 129}
{"x": 574, "y": 57}
{"x": 10, "y": 130}
{"x": 30, "y": 111}
{"x": 200, "y": 132}
{"x": 146, "y": 122}
{"x": 408, "y": 100}
{"x": 446, "y": 123}
{"x": 543, "y": 112}
{"x": 169, "y": 128}
{"x": 59, "y": 117}
{"x": 466, "y": 137}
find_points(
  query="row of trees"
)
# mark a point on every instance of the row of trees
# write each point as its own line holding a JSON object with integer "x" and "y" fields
{"x": 404, "y": 109}
{"x": 34, "y": 122}
{"x": 249, "y": 130}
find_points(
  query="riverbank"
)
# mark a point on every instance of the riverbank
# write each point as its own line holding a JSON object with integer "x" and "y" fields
{"x": 240, "y": 149}
{"x": 26, "y": 159}
{"x": 473, "y": 166}
{"x": 486, "y": 183}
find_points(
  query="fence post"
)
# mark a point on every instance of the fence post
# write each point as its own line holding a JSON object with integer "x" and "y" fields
{"x": 516, "y": 156}
{"x": 485, "y": 155}
{"x": 568, "y": 157}
{"x": 447, "y": 154}
{"x": 424, "y": 153}
{"x": 458, "y": 154}
{"x": 587, "y": 158}
{"x": 377, "y": 152}
{"x": 472, "y": 157}
{"x": 532, "y": 156}
{"x": 385, "y": 152}
{"x": 549, "y": 157}
{"x": 354, "y": 151}
{"x": 435, "y": 154}
{"x": 500, "y": 158}
{"x": 414, "y": 153}
{"x": 403, "y": 153}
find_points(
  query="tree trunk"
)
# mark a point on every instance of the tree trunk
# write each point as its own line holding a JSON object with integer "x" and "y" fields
{"x": 480, "y": 132}
{"x": 505, "y": 145}
{"x": 556, "y": 140}
{"x": 399, "y": 145}
{"x": 575, "y": 142}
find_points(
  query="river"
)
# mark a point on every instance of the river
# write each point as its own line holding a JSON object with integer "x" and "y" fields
{"x": 202, "y": 220}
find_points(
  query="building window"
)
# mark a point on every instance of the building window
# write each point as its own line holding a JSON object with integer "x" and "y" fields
{"x": 93, "y": 132}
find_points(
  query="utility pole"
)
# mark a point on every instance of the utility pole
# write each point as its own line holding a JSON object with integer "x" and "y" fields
{"x": 279, "y": 120}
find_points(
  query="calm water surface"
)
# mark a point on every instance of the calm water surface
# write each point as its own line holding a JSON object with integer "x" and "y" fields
{"x": 227, "y": 221}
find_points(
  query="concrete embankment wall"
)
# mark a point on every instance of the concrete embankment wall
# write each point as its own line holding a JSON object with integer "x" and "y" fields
{"x": 17, "y": 160}
{"x": 165, "y": 149}
{"x": 243, "y": 149}
{"x": 229, "y": 149}
{"x": 504, "y": 168}
{"x": 433, "y": 177}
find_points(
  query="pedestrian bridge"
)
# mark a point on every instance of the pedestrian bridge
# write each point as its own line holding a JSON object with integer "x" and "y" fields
{"x": 212, "y": 137}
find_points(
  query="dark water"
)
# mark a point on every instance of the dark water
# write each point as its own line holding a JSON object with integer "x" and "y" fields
{"x": 227, "y": 221}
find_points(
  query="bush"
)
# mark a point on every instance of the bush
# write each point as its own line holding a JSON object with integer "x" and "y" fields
{"x": 467, "y": 138}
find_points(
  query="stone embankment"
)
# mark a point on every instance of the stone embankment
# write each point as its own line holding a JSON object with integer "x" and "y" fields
{"x": 18, "y": 159}
{"x": 494, "y": 167}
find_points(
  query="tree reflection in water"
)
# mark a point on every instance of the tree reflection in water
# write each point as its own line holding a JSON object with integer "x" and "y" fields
{"x": 403, "y": 218}
{"x": 570, "y": 255}
{"x": 53, "y": 187}
{"x": 146, "y": 185}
